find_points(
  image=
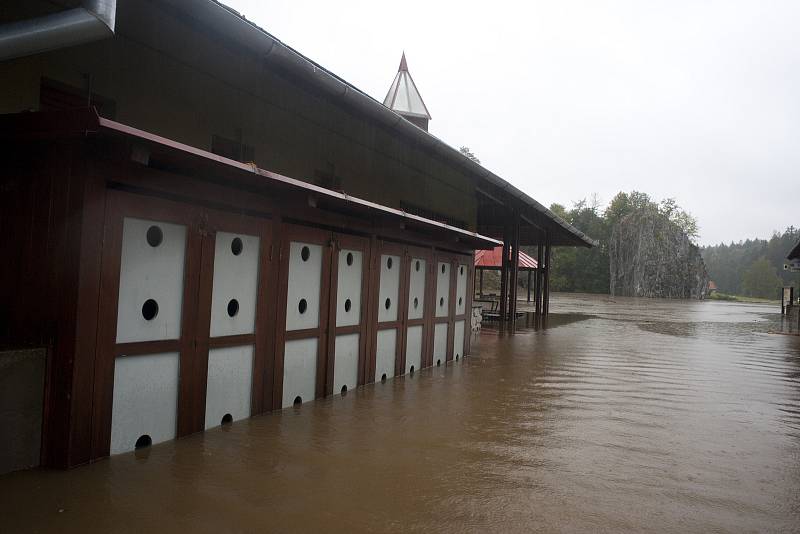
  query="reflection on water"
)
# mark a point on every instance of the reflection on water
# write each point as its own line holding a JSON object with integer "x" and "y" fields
{"x": 624, "y": 414}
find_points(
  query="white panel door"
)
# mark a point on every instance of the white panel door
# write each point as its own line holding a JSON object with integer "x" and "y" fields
{"x": 145, "y": 399}
{"x": 440, "y": 343}
{"x": 305, "y": 279}
{"x": 389, "y": 289}
{"x": 458, "y": 340}
{"x": 304, "y": 295}
{"x": 348, "y": 287}
{"x": 461, "y": 288}
{"x": 385, "y": 354}
{"x": 416, "y": 288}
{"x": 442, "y": 289}
{"x": 350, "y": 269}
{"x": 235, "y": 284}
{"x": 151, "y": 281}
{"x": 230, "y": 381}
{"x": 299, "y": 371}
{"x": 414, "y": 349}
{"x": 345, "y": 369}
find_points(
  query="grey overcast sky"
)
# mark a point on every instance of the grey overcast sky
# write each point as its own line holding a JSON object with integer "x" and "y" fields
{"x": 692, "y": 99}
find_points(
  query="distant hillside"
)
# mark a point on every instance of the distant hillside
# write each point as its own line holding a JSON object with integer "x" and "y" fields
{"x": 754, "y": 267}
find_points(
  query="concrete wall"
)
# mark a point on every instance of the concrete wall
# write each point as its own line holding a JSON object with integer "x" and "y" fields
{"x": 21, "y": 402}
{"x": 183, "y": 82}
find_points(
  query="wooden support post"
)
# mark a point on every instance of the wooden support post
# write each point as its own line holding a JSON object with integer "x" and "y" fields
{"x": 546, "y": 298}
{"x": 504, "y": 277}
{"x": 480, "y": 290}
{"x": 514, "y": 273}
{"x": 529, "y": 284}
{"x": 537, "y": 295}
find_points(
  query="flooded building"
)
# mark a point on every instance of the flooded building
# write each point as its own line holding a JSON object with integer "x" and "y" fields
{"x": 201, "y": 224}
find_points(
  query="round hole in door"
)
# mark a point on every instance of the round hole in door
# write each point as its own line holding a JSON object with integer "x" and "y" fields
{"x": 237, "y": 246}
{"x": 416, "y": 266}
{"x": 226, "y": 419}
{"x": 305, "y": 253}
{"x": 302, "y": 305}
{"x": 143, "y": 441}
{"x": 347, "y": 305}
{"x": 233, "y": 307}
{"x": 460, "y": 300}
{"x": 461, "y": 270}
{"x": 444, "y": 267}
{"x": 344, "y": 389}
{"x": 388, "y": 263}
{"x": 438, "y": 363}
{"x": 388, "y": 303}
{"x": 149, "y": 309}
{"x": 416, "y": 302}
{"x": 383, "y": 377}
{"x": 154, "y": 236}
{"x": 411, "y": 370}
{"x": 349, "y": 258}
{"x": 298, "y": 400}
{"x": 441, "y": 301}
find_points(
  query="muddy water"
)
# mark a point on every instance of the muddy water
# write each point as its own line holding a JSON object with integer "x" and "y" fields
{"x": 626, "y": 415}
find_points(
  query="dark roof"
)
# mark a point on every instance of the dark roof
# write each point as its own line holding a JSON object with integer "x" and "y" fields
{"x": 794, "y": 254}
{"x": 237, "y": 28}
{"x": 87, "y": 123}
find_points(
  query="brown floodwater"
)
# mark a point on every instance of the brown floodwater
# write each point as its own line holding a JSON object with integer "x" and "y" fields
{"x": 622, "y": 415}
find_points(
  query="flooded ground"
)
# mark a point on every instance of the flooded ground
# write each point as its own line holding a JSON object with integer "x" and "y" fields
{"x": 623, "y": 415}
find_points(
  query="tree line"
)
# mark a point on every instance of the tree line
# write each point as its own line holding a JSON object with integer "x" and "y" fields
{"x": 754, "y": 267}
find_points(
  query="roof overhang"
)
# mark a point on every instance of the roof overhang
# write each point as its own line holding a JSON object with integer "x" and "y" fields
{"x": 539, "y": 223}
{"x": 86, "y": 123}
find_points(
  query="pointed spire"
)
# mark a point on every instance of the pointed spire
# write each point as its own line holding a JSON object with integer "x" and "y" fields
{"x": 403, "y": 65}
{"x": 404, "y": 98}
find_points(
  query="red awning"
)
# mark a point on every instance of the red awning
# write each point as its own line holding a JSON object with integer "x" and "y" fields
{"x": 492, "y": 259}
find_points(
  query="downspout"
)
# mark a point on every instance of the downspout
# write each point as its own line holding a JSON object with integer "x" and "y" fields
{"x": 91, "y": 22}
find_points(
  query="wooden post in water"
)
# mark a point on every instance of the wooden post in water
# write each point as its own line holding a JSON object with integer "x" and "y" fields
{"x": 529, "y": 284}
{"x": 514, "y": 274}
{"x": 504, "y": 277}
{"x": 546, "y": 299}
{"x": 537, "y": 295}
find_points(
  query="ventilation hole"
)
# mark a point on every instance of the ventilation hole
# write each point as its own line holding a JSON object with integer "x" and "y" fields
{"x": 344, "y": 390}
{"x": 302, "y": 305}
{"x": 233, "y": 307}
{"x": 461, "y": 271}
{"x": 305, "y": 253}
{"x": 388, "y": 303}
{"x": 349, "y": 258}
{"x": 438, "y": 363}
{"x": 460, "y": 300}
{"x": 444, "y": 267}
{"x": 388, "y": 263}
{"x": 226, "y": 419}
{"x": 154, "y": 236}
{"x": 411, "y": 370}
{"x": 143, "y": 441}
{"x": 298, "y": 400}
{"x": 416, "y": 266}
{"x": 383, "y": 377}
{"x": 441, "y": 301}
{"x": 416, "y": 302}
{"x": 236, "y": 246}
{"x": 149, "y": 309}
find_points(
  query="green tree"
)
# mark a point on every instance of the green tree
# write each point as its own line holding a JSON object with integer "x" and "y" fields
{"x": 760, "y": 280}
{"x": 467, "y": 152}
